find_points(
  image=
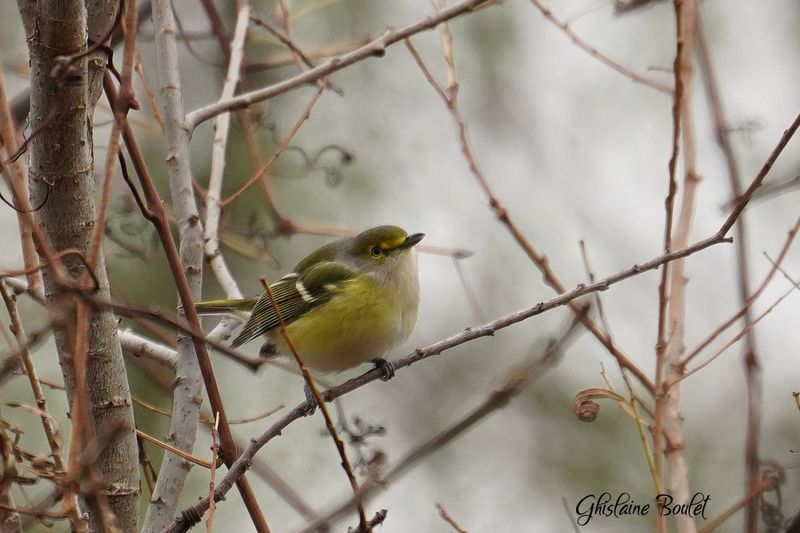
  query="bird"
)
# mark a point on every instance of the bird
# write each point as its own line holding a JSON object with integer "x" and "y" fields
{"x": 349, "y": 302}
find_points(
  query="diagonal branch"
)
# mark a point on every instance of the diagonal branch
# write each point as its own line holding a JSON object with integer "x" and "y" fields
{"x": 449, "y": 96}
{"x": 594, "y": 52}
{"x": 518, "y": 377}
{"x": 470, "y": 334}
{"x": 376, "y": 47}
{"x": 242, "y": 463}
{"x": 194, "y": 361}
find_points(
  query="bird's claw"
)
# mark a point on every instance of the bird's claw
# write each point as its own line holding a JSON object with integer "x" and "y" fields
{"x": 386, "y": 368}
{"x": 310, "y": 399}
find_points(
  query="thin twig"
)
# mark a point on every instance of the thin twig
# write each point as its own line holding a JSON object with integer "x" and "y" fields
{"x": 329, "y": 424}
{"x": 125, "y": 101}
{"x": 752, "y": 364}
{"x": 668, "y": 397}
{"x": 449, "y": 97}
{"x": 177, "y": 451}
{"x": 213, "y": 477}
{"x": 286, "y": 40}
{"x": 188, "y": 43}
{"x": 742, "y": 201}
{"x": 17, "y": 179}
{"x": 764, "y": 485}
{"x": 570, "y": 517}
{"x": 449, "y": 519}
{"x": 751, "y": 299}
{"x": 287, "y": 58}
{"x": 217, "y": 26}
{"x": 515, "y": 382}
{"x": 748, "y": 327}
{"x": 221, "y": 127}
{"x": 376, "y": 47}
{"x": 285, "y": 143}
{"x": 594, "y": 52}
{"x": 148, "y": 470}
{"x": 151, "y": 97}
{"x": 472, "y": 298}
{"x": 256, "y": 418}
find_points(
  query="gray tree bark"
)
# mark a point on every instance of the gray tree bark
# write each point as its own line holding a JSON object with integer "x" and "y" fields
{"x": 61, "y": 170}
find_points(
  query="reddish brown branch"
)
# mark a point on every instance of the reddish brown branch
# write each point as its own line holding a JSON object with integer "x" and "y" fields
{"x": 450, "y": 98}
{"x": 286, "y": 141}
{"x": 329, "y": 424}
{"x": 377, "y": 47}
{"x": 751, "y": 360}
{"x": 449, "y": 519}
{"x": 469, "y": 334}
{"x": 594, "y": 52}
{"x": 155, "y": 205}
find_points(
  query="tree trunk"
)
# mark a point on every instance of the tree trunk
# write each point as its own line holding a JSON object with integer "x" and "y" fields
{"x": 61, "y": 176}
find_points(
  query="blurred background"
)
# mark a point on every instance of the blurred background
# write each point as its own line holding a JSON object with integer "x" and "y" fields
{"x": 576, "y": 152}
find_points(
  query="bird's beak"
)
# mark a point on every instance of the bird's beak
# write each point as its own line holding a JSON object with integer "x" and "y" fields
{"x": 411, "y": 240}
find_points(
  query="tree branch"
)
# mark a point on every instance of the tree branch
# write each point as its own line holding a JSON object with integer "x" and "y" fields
{"x": 243, "y": 462}
{"x": 376, "y": 47}
{"x": 188, "y": 275}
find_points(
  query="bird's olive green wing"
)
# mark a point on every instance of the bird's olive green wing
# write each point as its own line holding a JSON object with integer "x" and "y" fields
{"x": 294, "y": 294}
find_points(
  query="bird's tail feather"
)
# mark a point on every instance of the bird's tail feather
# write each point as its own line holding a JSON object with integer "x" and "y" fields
{"x": 219, "y": 307}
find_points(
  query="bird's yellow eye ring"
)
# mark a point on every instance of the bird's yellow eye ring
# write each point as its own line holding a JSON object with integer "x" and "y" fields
{"x": 376, "y": 251}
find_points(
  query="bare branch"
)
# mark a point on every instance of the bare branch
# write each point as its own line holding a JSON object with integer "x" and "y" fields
{"x": 144, "y": 347}
{"x": 242, "y": 463}
{"x": 594, "y": 52}
{"x": 221, "y": 127}
{"x": 318, "y": 400}
{"x": 377, "y": 47}
{"x": 449, "y": 519}
{"x": 515, "y": 382}
{"x": 449, "y": 96}
{"x": 194, "y": 361}
{"x": 673, "y": 303}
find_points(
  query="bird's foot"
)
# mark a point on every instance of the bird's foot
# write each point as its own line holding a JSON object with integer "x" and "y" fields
{"x": 386, "y": 368}
{"x": 310, "y": 400}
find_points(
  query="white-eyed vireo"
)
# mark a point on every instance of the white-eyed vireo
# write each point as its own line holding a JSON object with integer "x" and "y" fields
{"x": 349, "y": 302}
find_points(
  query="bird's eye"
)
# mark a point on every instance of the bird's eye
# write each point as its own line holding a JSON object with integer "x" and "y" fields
{"x": 376, "y": 251}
